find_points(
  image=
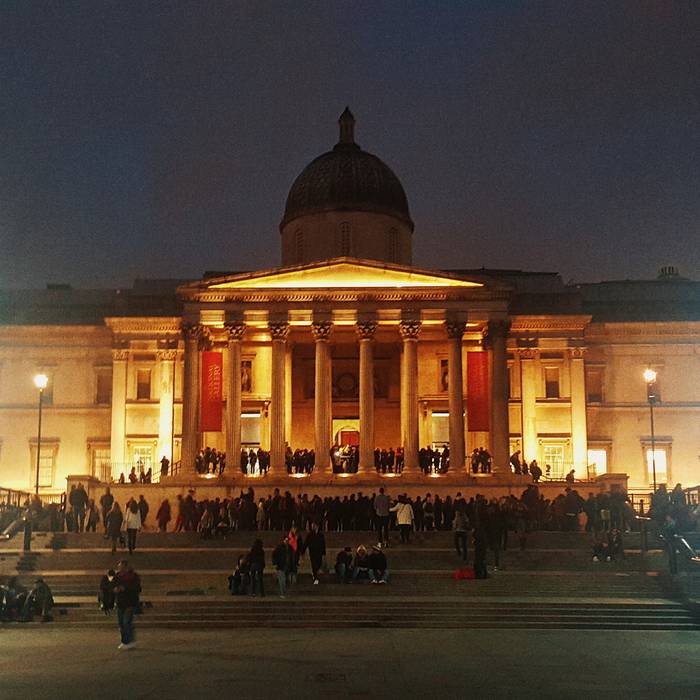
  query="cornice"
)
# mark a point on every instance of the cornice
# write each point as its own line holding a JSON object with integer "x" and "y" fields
{"x": 565, "y": 323}
{"x": 144, "y": 325}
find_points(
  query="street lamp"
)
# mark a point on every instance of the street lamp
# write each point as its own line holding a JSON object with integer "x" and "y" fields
{"x": 652, "y": 398}
{"x": 41, "y": 381}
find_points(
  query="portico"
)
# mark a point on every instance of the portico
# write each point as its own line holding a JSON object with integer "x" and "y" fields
{"x": 347, "y": 338}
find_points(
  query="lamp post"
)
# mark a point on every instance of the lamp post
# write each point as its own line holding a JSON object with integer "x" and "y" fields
{"x": 652, "y": 398}
{"x": 41, "y": 381}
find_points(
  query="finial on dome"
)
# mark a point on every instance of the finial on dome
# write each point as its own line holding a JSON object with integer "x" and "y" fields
{"x": 347, "y": 126}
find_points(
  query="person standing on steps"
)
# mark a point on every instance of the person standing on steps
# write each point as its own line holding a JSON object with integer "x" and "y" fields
{"x": 282, "y": 558}
{"x": 404, "y": 518}
{"x": 106, "y": 502}
{"x": 315, "y": 544}
{"x": 133, "y": 524}
{"x": 143, "y": 510}
{"x": 460, "y": 525}
{"x": 256, "y": 559}
{"x": 127, "y": 587}
{"x": 115, "y": 520}
{"x": 381, "y": 510}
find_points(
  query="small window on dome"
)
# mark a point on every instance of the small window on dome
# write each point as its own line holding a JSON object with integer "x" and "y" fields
{"x": 299, "y": 245}
{"x": 345, "y": 239}
{"x": 392, "y": 245}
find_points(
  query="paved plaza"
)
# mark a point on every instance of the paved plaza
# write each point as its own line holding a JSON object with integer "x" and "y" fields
{"x": 51, "y": 662}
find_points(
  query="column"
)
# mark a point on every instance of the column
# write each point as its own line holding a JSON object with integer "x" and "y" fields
{"x": 166, "y": 365}
{"x": 579, "y": 432}
{"x": 323, "y": 396}
{"x": 195, "y": 336}
{"x": 118, "y": 431}
{"x": 278, "y": 332}
{"x": 365, "y": 332}
{"x": 528, "y": 404}
{"x": 497, "y": 334}
{"x": 235, "y": 333}
{"x": 455, "y": 386}
{"x": 409, "y": 394}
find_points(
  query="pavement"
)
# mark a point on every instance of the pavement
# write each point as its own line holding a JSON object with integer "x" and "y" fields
{"x": 57, "y": 663}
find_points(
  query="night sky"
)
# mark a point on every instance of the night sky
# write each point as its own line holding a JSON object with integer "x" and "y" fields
{"x": 160, "y": 139}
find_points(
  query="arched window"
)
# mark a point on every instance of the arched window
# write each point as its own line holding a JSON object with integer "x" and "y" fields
{"x": 345, "y": 239}
{"x": 299, "y": 245}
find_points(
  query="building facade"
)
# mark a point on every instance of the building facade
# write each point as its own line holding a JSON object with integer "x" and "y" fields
{"x": 348, "y": 343}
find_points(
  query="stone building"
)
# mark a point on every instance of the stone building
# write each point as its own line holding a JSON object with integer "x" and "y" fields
{"x": 348, "y": 343}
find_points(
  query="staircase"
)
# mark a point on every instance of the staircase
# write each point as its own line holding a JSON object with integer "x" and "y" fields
{"x": 552, "y": 584}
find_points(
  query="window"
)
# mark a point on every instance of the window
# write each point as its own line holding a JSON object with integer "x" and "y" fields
{"x": 444, "y": 376}
{"x": 594, "y": 385}
{"x": 551, "y": 382}
{"x": 553, "y": 455}
{"x": 299, "y": 245}
{"x": 250, "y": 430}
{"x": 101, "y": 464}
{"x": 143, "y": 383}
{"x": 441, "y": 430}
{"x": 393, "y": 245}
{"x": 246, "y": 376}
{"x": 103, "y": 386}
{"x": 142, "y": 456}
{"x": 345, "y": 239}
{"x": 597, "y": 461}
{"x": 657, "y": 460}
{"x": 47, "y": 463}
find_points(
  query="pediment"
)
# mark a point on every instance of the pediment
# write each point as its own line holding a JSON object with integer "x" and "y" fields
{"x": 340, "y": 273}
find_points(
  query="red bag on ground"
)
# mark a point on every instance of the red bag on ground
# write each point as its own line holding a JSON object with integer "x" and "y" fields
{"x": 464, "y": 573}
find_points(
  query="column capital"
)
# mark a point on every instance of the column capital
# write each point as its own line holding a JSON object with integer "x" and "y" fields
{"x": 279, "y": 330}
{"x": 235, "y": 331}
{"x": 120, "y": 354}
{"x": 496, "y": 329}
{"x": 455, "y": 329}
{"x": 365, "y": 329}
{"x": 166, "y": 355}
{"x": 577, "y": 353}
{"x": 410, "y": 330}
{"x": 321, "y": 330}
{"x": 527, "y": 353}
{"x": 196, "y": 332}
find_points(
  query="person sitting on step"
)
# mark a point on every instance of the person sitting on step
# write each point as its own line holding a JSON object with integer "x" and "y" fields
{"x": 378, "y": 572}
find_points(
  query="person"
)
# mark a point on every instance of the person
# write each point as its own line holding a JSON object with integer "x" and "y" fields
{"x": 105, "y": 596}
{"x": 39, "y": 601}
{"x": 360, "y": 566}
{"x": 133, "y": 524}
{"x": 343, "y": 565}
{"x": 93, "y": 517}
{"x": 115, "y": 519}
{"x": 669, "y": 531}
{"x": 239, "y": 582}
{"x": 164, "y": 466}
{"x": 570, "y": 478}
{"x": 12, "y": 599}
{"x": 535, "y": 471}
{"x": 515, "y": 462}
{"x": 381, "y": 510}
{"x": 315, "y": 544}
{"x": 480, "y": 545}
{"x": 127, "y": 587}
{"x": 106, "y": 502}
{"x": 163, "y": 515}
{"x": 460, "y": 526}
{"x": 143, "y": 510}
{"x": 78, "y": 499}
{"x": 404, "y": 518}
{"x": 282, "y": 558}
{"x": 378, "y": 572}
{"x": 256, "y": 558}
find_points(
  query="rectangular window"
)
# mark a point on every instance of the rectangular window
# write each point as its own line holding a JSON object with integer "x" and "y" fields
{"x": 441, "y": 430}
{"x": 657, "y": 459}
{"x": 103, "y": 387}
{"x": 246, "y": 376}
{"x": 250, "y": 430}
{"x": 444, "y": 383}
{"x": 553, "y": 461}
{"x": 551, "y": 382}
{"x": 101, "y": 464}
{"x": 143, "y": 384}
{"x": 594, "y": 385}
{"x": 597, "y": 462}
{"x": 47, "y": 464}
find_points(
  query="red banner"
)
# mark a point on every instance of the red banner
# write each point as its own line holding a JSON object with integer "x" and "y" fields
{"x": 478, "y": 391}
{"x": 211, "y": 396}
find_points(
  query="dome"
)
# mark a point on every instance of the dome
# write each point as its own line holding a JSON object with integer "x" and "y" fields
{"x": 347, "y": 179}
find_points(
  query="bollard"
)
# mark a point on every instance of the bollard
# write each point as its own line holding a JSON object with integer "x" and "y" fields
{"x": 27, "y": 534}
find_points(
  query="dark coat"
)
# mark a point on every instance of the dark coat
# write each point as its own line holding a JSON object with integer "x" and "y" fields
{"x": 114, "y": 523}
{"x": 316, "y": 545}
{"x": 127, "y": 588}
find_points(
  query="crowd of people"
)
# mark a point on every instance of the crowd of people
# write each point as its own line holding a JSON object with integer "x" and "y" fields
{"x": 19, "y": 604}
